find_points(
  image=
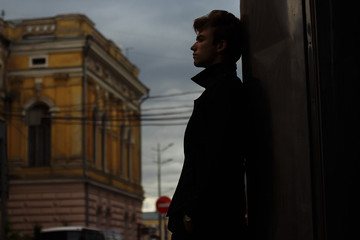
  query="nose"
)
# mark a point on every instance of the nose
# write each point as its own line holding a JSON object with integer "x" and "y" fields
{"x": 193, "y": 47}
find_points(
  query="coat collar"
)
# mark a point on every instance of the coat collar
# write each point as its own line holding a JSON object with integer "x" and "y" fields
{"x": 210, "y": 75}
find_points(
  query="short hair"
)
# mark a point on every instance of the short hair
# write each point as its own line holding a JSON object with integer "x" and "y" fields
{"x": 226, "y": 27}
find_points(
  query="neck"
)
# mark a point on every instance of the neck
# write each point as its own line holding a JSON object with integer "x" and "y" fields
{"x": 217, "y": 60}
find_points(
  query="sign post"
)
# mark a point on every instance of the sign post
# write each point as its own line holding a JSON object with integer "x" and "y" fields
{"x": 162, "y": 206}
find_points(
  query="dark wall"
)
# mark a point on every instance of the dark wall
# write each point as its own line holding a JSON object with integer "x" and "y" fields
{"x": 280, "y": 204}
{"x": 301, "y": 68}
{"x": 338, "y": 37}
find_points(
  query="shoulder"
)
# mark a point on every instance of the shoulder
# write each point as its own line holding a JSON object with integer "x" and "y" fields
{"x": 229, "y": 85}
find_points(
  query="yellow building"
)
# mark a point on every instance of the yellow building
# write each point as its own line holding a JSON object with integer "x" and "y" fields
{"x": 71, "y": 104}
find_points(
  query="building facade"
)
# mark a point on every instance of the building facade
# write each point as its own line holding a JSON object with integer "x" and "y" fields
{"x": 71, "y": 104}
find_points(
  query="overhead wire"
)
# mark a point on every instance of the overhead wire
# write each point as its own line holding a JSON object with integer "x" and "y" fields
{"x": 78, "y": 107}
{"x": 174, "y": 94}
{"x": 165, "y": 108}
{"x": 156, "y": 116}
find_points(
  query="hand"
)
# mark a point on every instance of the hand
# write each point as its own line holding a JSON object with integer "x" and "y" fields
{"x": 187, "y": 223}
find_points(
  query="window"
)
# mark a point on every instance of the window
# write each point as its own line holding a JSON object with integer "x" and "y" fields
{"x": 129, "y": 146}
{"x": 98, "y": 217}
{"x": 94, "y": 136}
{"x": 39, "y": 135}
{"x": 104, "y": 126}
{"x": 107, "y": 218}
{"x": 38, "y": 61}
{"x": 126, "y": 148}
{"x": 126, "y": 226}
{"x": 122, "y": 149}
{"x": 132, "y": 227}
{"x": 1, "y": 75}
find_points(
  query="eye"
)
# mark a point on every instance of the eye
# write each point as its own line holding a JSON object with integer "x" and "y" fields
{"x": 199, "y": 39}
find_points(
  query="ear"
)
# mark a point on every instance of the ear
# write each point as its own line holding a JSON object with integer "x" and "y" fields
{"x": 221, "y": 46}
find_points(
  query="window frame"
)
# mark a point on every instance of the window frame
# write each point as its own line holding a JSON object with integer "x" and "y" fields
{"x": 32, "y": 58}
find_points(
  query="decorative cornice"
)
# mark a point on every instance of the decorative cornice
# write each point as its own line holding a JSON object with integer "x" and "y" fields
{"x": 112, "y": 90}
{"x": 128, "y": 75}
{"x": 75, "y": 181}
{"x": 71, "y": 71}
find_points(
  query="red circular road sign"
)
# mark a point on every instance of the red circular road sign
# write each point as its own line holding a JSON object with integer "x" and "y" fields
{"x": 162, "y": 204}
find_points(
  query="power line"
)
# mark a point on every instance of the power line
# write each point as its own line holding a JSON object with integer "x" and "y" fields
{"x": 107, "y": 119}
{"x": 79, "y": 107}
{"x": 90, "y": 121}
{"x": 130, "y": 118}
{"x": 165, "y": 108}
{"x": 174, "y": 94}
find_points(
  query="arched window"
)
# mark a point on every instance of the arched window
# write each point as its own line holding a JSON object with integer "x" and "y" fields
{"x": 126, "y": 148}
{"x": 108, "y": 218}
{"x": 1, "y": 74}
{"x": 122, "y": 149}
{"x": 39, "y": 135}
{"x": 126, "y": 225}
{"x": 98, "y": 216}
{"x": 94, "y": 136}
{"x": 105, "y": 123}
{"x": 129, "y": 146}
{"x": 133, "y": 227}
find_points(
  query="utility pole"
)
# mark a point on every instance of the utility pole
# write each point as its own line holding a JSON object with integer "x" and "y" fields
{"x": 159, "y": 162}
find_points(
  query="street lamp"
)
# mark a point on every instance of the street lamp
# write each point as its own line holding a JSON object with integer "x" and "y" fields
{"x": 159, "y": 150}
{"x": 159, "y": 162}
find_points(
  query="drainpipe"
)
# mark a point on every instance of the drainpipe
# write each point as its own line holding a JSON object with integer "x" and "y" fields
{"x": 84, "y": 123}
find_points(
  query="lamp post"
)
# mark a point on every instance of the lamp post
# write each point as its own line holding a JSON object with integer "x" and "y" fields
{"x": 159, "y": 162}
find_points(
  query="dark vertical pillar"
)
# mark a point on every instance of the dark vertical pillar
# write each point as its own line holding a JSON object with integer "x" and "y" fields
{"x": 338, "y": 50}
{"x": 301, "y": 68}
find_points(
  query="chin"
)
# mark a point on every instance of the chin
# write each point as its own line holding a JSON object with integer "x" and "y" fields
{"x": 196, "y": 64}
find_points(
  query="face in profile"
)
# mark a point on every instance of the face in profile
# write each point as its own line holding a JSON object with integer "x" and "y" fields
{"x": 205, "y": 52}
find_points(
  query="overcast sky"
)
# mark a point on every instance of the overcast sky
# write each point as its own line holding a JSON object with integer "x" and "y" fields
{"x": 156, "y": 36}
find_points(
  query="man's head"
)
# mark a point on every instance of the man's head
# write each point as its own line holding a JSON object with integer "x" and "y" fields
{"x": 219, "y": 36}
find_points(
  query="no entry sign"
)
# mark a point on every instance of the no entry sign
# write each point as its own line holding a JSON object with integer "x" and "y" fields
{"x": 162, "y": 204}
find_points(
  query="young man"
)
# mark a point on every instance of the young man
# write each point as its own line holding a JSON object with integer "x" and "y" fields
{"x": 209, "y": 201}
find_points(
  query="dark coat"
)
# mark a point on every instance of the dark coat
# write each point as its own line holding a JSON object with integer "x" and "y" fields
{"x": 211, "y": 184}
